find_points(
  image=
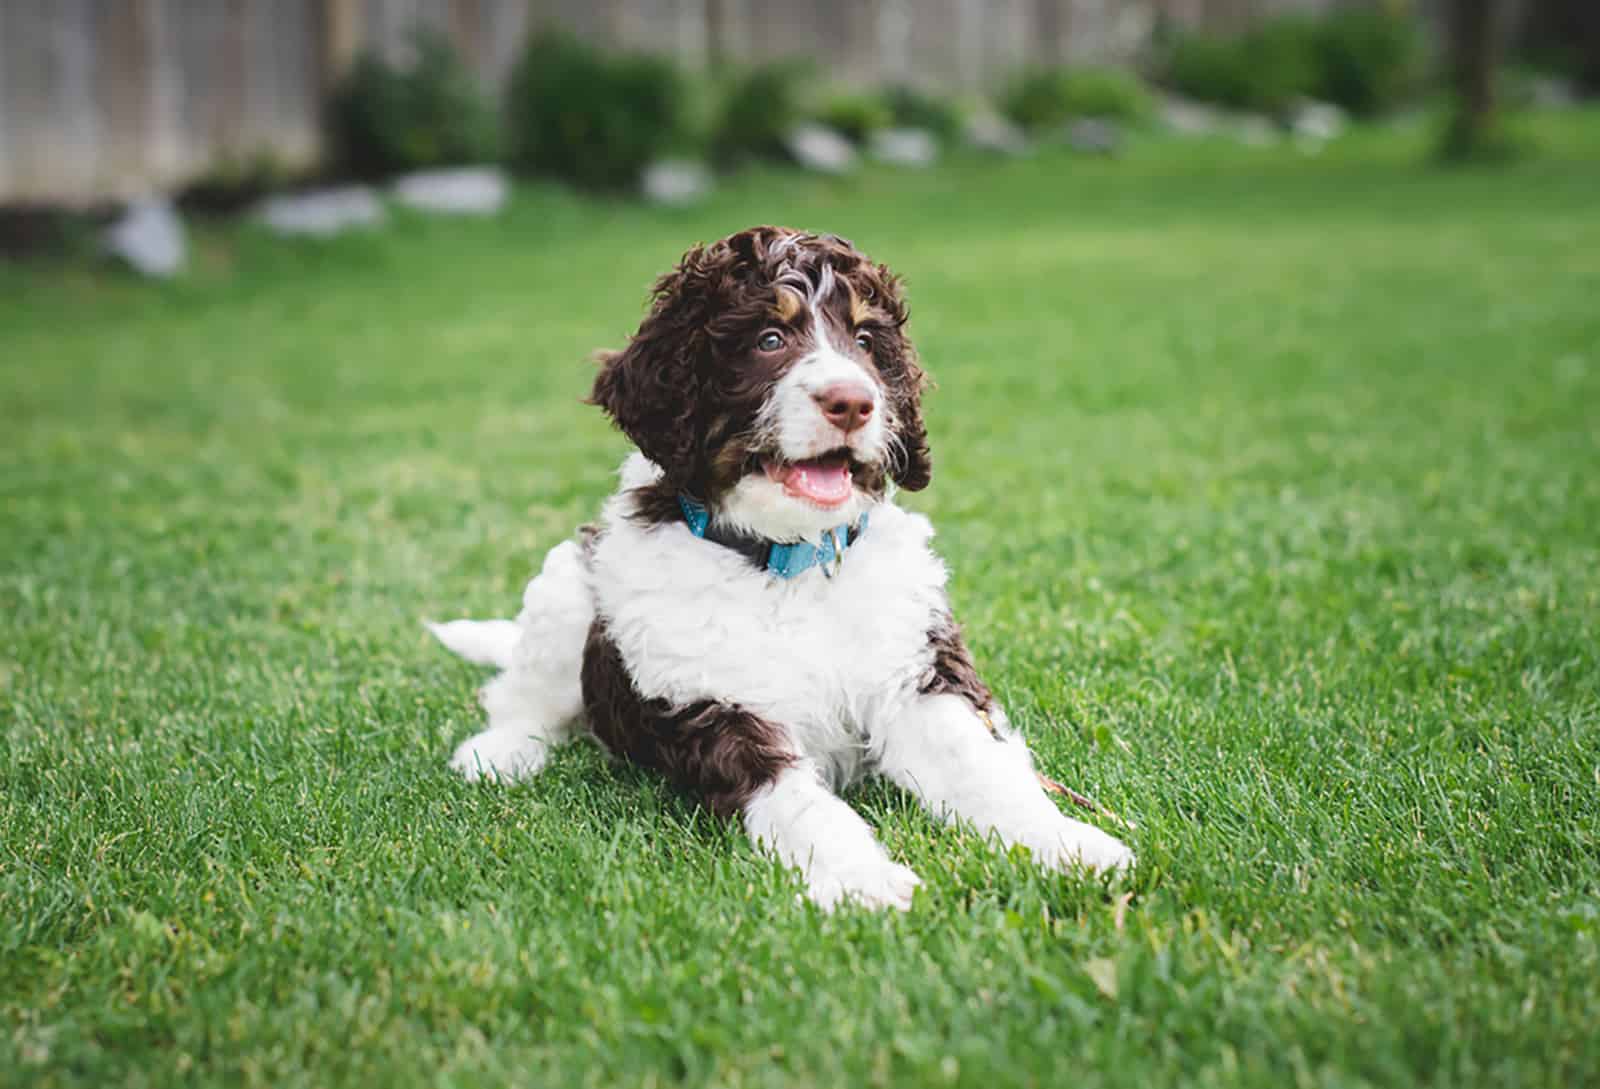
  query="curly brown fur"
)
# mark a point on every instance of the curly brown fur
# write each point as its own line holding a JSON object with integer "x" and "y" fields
{"x": 953, "y": 671}
{"x": 721, "y": 753}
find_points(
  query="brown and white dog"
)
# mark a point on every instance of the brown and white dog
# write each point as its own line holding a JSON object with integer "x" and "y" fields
{"x": 753, "y": 616}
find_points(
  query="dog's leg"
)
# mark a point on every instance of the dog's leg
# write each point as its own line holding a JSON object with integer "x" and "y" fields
{"x": 534, "y": 704}
{"x": 942, "y": 751}
{"x": 803, "y": 823}
{"x": 737, "y": 762}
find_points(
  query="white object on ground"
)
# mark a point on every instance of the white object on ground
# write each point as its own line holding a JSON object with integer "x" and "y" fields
{"x": 322, "y": 213}
{"x": 467, "y": 190}
{"x": 150, "y": 237}
{"x": 675, "y": 182}
{"x": 817, "y": 147}
{"x": 905, "y": 147}
{"x": 991, "y": 132}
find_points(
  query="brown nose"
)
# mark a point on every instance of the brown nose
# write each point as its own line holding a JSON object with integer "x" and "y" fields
{"x": 847, "y": 405}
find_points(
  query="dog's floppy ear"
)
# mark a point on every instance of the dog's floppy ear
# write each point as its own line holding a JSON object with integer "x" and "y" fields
{"x": 911, "y": 463}
{"x": 912, "y": 467}
{"x": 651, "y": 388}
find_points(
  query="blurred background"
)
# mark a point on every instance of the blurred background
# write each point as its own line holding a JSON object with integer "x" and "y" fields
{"x": 224, "y": 102}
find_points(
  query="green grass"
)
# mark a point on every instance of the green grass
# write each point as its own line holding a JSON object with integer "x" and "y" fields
{"x": 1271, "y": 491}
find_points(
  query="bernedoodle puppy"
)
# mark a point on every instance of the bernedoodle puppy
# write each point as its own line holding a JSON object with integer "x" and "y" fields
{"x": 754, "y": 617}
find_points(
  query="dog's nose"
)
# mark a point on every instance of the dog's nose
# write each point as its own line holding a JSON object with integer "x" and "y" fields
{"x": 847, "y": 405}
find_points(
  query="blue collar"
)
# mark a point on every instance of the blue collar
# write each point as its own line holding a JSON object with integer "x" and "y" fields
{"x": 776, "y": 557}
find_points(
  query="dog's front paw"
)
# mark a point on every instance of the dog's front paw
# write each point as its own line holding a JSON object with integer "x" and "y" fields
{"x": 505, "y": 756}
{"x": 874, "y": 883}
{"x": 1069, "y": 844}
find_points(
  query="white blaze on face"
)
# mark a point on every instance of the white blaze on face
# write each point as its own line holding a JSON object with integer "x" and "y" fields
{"x": 802, "y": 498}
{"x": 794, "y": 415}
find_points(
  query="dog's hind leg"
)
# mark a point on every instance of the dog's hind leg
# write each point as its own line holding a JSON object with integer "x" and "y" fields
{"x": 537, "y": 701}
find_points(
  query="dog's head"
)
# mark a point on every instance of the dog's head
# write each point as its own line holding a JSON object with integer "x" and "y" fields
{"x": 773, "y": 381}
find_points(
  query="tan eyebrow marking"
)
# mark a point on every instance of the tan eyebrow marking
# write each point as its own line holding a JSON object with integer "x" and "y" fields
{"x": 789, "y": 303}
{"x": 861, "y": 311}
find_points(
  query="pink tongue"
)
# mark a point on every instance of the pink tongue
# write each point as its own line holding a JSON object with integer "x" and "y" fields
{"x": 828, "y": 484}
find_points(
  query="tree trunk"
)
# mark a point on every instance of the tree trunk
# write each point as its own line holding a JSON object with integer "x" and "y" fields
{"x": 1474, "y": 57}
{"x": 716, "y": 33}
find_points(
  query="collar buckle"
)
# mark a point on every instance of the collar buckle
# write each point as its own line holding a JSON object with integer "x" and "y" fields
{"x": 834, "y": 564}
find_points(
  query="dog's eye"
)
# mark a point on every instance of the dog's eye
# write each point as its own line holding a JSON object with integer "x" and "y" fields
{"x": 770, "y": 341}
{"x": 864, "y": 342}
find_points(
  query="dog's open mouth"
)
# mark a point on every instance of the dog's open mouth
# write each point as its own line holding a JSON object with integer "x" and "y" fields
{"x": 825, "y": 481}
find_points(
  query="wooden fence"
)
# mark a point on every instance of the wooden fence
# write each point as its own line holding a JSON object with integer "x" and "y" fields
{"x": 104, "y": 99}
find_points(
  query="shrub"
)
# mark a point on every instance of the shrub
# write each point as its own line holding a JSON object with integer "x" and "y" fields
{"x": 855, "y": 116}
{"x": 385, "y": 119}
{"x": 591, "y": 118}
{"x": 1364, "y": 60}
{"x": 911, "y": 108}
{"x": 43, "y": 230}
{"x": 1043, "y": 97}
{"x": 1263, "y": 70}
{"x": 1280, "y": 56}
{"x": 1207, "y": 69}
{"x": 233, "y": 183}
{"x": 758, "y": 107}
{"x": 1367, "y": 60}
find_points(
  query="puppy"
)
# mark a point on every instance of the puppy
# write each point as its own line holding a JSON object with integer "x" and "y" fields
{"x": 754, "y": 617}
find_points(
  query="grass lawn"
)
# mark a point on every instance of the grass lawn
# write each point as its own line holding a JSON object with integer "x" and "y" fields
{"x": 1271, "y": 491}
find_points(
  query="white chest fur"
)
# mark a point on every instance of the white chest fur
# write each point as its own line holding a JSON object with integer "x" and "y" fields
{"x": 825, "y": 658}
